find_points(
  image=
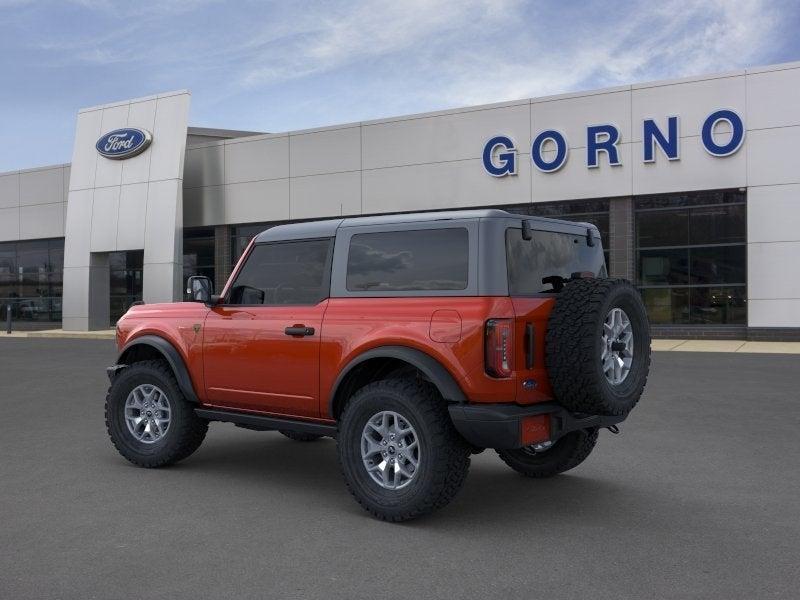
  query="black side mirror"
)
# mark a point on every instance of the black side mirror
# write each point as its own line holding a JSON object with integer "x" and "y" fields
{"x": 199, "y": 288}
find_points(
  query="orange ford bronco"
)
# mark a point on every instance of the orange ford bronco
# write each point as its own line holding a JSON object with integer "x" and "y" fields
{"x": 415, "y": 340}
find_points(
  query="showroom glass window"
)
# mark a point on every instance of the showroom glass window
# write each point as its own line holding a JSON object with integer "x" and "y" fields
{"x": 31, "y": 280}
{"x": 198, "y": 252}
{"x": 587, "y": 211}
{"x": 691, "y": 257}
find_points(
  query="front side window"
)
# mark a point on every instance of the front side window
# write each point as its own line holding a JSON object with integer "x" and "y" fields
{"x": 397, "y": 261}
{"x": 284, "y": 273}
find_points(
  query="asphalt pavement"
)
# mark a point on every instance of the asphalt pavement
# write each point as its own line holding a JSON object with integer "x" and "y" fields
{"x": 698, "y": 497}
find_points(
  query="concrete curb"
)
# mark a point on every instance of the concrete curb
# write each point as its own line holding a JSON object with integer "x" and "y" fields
{"x": 727, "y": 346}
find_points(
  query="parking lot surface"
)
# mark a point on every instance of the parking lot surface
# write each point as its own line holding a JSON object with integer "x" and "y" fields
{"x": 699, "y": 497}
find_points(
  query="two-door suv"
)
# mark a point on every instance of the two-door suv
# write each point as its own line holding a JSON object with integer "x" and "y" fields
{"x": 415, "y": 340}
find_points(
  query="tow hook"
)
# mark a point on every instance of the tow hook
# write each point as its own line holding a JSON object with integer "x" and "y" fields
{"x": 613, "y": 429}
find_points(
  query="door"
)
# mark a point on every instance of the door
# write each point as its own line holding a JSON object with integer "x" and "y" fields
{"x": 261, "y": 344}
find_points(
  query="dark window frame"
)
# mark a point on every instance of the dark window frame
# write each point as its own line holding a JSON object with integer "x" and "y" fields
{"x": 422, "y": 291}
{"x": 325, "y": 286}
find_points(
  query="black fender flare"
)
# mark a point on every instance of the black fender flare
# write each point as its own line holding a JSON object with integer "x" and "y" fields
{"x": 171, "y": 355}
{"x": 429, "y": 366}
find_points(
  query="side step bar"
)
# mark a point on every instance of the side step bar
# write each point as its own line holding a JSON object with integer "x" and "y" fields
{"x": 262, "y": 423}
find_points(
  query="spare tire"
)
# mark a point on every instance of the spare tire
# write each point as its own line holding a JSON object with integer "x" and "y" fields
{"x": 598, "y": 346}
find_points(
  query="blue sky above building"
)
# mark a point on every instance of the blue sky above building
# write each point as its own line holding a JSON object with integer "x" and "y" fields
{"x": 276, "y": 66}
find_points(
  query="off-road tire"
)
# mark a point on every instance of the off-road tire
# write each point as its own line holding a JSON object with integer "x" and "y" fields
{"x": 298, "y": 436}
{"x": 444, "y": 456}
{"x": 567, "y": 453}
{"x": 186, "y": 430}
{"x": 574, "y": 341}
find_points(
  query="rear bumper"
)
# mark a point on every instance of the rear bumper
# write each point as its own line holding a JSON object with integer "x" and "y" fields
{"x": 500, "y": 425}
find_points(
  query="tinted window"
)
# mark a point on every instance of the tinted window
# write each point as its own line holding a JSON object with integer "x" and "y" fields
{"x": 547, "y": 254}
{"x": 284, "y": 273}
{"x": 663, "y": 228}
{"x": 428, "y": 259}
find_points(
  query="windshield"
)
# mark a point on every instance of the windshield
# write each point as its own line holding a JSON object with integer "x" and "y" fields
{"x": 548, "y": 254}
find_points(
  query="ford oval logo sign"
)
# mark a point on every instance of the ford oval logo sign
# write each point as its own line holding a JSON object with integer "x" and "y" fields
{"x": 124, "y": 143}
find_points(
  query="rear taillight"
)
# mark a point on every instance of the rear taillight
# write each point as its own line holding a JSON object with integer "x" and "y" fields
{"x": 499, "y": 347}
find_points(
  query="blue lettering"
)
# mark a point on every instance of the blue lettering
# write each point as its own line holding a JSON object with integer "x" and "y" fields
{"x": 561, "y": 151}
{"x": 737, "y": 126}
{"x": 595, "y": 145}
{"x": 508, "y": 159}
{"x": 652, "y": 135}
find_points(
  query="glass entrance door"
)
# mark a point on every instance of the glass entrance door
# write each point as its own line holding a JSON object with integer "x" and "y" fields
{"x": 126, "y": 281}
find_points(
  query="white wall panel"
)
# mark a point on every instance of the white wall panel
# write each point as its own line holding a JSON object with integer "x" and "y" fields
{"x": 41, "y": 221}
{"x": 773, "y": 213}
{"x": 326, "y": 195}
{"x": 570, "y": 116}
{"x": 132, "y": 216}
{"x": 257, "y": 201}
{"x": 141, "y": 115}
{"x": 162, "y": 235}
{"x": 9, "y": 190}
{"x": 769, "y": 270}
{"x": 169, "y": 137}
{"x": 328, "y": 151}
{"x": 42, "y": 186}
{"x": 779, "y": 312}
{"x": 9, "y": 224}
{"x": 204, "y": 206}
{"x": 772, "y": 156}
{"x": 109, "y": 171}
{"x": 443, "y": 138}
{"x": 574, "y": 180}
{"x": 105, "y": 211}
{"x": 204, "y": 166}
{"x": 78, "y": 229}
{"x": 88, "y": 130}
{"x": 265, "y": 158}
{"x": 443, "y": 185}
{"x": 696, "y": 170}
{"x": 692, "y": 101}
{"x": 773, "y": 99}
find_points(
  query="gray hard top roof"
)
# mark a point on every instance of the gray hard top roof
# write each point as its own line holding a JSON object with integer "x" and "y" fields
{"x": 328, "y": 228}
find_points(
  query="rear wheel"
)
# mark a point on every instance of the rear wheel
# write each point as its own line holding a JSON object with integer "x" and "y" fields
{"x": 567, "y": 453}
{"x": 148, "y": 419}
{"x": 399, "y": 453}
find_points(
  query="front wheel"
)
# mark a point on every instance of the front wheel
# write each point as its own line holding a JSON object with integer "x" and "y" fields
{"x": 567, "y": 453}
{"x": 148, "y": 419}
{"x": 399, "y": 453}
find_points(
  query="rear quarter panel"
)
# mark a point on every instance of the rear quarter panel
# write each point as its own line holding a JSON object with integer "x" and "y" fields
{"x": 354, "y": 325}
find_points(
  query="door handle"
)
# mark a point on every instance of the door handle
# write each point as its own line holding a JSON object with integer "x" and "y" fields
{"x": 299, "y": 330}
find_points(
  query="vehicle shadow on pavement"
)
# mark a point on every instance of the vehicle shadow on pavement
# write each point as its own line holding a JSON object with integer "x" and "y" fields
{"x": 255, "y": 460}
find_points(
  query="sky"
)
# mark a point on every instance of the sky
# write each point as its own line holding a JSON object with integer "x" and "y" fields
{"x": 279, "y": 66}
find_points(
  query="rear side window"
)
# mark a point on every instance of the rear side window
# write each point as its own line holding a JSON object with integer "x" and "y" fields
{"x": 548, "y": 253}
{"x": 427, "y": 259}
{"x": 284, "y": 273}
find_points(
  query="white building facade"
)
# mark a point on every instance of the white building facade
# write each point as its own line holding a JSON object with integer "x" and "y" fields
{"x": 694, "y": 184}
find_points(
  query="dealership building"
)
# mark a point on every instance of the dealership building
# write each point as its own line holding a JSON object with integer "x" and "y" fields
{"x": 694, "y": 184}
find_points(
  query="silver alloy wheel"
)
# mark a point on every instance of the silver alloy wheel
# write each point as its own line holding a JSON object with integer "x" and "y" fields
{"x": 617, "y": 346}
{"x": 390, "y": 450}
{"x": 147, "y": 413}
